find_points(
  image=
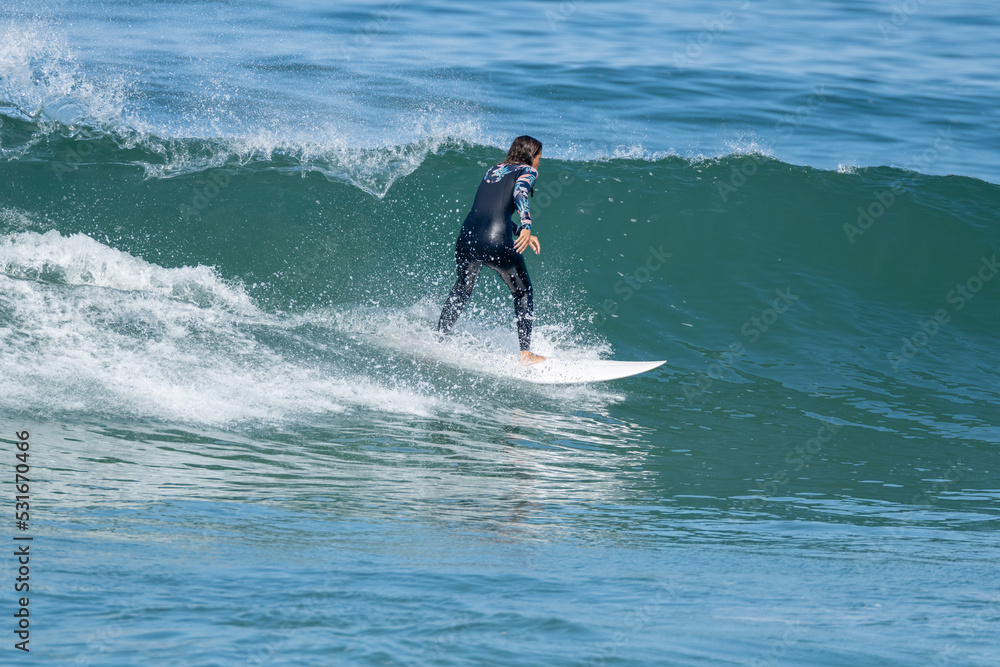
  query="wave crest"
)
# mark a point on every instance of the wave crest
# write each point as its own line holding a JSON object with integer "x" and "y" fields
{"x": 41, "y": 81}
{"x": 79, "y": 260}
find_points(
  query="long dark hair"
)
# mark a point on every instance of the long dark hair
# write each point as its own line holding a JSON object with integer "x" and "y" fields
{"x": 523, "y": 150}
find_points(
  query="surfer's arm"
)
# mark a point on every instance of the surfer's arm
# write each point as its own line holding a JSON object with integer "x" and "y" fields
{"x": 522, "y": 188}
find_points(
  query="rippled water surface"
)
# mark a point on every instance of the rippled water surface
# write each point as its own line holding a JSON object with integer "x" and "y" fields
{"x": 226, "y": 232}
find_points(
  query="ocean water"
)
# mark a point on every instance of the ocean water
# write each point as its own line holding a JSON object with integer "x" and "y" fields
{"x": 226, "y": 232}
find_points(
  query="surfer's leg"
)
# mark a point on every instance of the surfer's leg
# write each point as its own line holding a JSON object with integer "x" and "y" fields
{"x": 468, "y": 271}
{"x": 514, "y": 272}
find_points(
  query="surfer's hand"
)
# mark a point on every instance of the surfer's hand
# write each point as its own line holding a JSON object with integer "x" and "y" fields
{"x": 533, "y": 242}
{"x": 522, "y": 240}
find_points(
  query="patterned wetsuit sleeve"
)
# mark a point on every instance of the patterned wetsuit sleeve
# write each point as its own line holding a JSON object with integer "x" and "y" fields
{"x": 522, "y": 188}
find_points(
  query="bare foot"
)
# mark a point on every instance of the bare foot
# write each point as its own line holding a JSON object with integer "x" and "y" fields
{"x": 528, "y": 357}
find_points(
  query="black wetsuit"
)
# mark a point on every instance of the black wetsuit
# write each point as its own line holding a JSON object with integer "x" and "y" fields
{"x": 487, "y": 237}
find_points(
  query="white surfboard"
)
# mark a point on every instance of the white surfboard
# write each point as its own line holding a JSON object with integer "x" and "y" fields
{"x": 580, "y": 371}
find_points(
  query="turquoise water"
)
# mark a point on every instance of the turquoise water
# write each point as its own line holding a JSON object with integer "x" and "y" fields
{"x": 225, "y": 236}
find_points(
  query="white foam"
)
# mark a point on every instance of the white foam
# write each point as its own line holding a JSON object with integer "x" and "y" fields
{"x": 42, "y": 79}
{"x": 80, "y": 260}
{"x": 14, "y": 220}
{"x": 630, "y": 151}
{"x": 748, "y": 144}
{"x": 325, "y": 150}
{"x": 328, "y": 152}
{"x": 85, "y": 327}
{"x": 478, "y": 344}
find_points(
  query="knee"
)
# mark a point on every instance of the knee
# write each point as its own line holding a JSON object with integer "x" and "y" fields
{"x": 526, "y": 287}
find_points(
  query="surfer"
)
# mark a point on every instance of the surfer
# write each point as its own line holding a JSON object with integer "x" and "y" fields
{"x": 488, "y": 237}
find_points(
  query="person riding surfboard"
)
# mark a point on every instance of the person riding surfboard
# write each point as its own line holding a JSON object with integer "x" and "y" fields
{"x": 487, "y": 238}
